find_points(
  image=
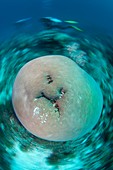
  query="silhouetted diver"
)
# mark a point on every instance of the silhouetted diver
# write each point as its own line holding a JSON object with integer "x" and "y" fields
{"x": 54, "y": 23}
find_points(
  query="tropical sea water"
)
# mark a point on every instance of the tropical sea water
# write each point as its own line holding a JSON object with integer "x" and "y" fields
{"x": 94, "y": 16}
{"x": 91, "y": 49}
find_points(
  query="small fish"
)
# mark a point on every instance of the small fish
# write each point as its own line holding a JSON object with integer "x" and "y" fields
{"x": 71, "y": 22}
{"x": 23, "y": 20}
{"x": 78, "y": 29}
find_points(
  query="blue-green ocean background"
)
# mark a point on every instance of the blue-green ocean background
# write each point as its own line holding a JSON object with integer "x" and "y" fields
{"x": 95, "y": 16}
{"x": 20, "y": 150}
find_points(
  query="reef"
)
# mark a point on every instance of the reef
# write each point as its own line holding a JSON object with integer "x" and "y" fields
{"x": 55, "y": 99}
{"x": 94, "y": 56}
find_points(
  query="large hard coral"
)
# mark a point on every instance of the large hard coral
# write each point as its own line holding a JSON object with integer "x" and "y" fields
{"x": 55, "y": 99}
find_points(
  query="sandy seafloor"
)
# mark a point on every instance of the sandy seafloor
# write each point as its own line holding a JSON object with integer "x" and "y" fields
{"x": 20, "y": 150}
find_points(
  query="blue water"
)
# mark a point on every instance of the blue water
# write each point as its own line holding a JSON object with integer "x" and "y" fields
{"x": 92, "y": 15}
{"x": 92, "y": 50}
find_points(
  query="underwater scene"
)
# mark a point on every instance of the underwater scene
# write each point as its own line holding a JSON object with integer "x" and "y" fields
{"x": 56, "y": 85}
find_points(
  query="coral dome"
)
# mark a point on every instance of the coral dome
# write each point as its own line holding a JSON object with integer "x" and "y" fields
{"x": 55, "y": 99}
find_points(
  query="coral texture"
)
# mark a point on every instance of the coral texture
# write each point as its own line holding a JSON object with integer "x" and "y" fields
{"x": 55, "y": 99}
